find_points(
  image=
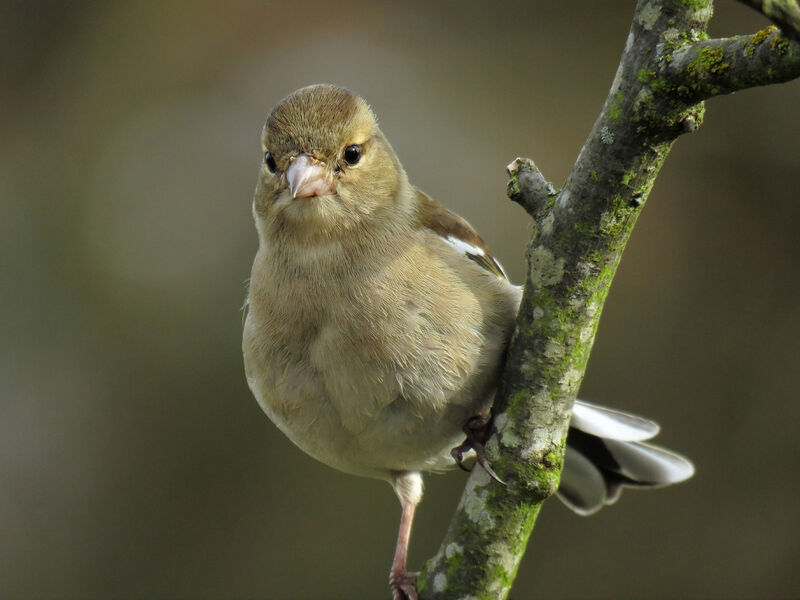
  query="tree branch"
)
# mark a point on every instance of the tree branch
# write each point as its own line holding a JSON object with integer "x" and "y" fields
{"x": 575, "y": 248}
{"x": 721, "y": 66}
{"x": 784, "y": 13}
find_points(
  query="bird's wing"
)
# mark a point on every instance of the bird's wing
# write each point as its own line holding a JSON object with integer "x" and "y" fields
{"x": 457, "y": 232}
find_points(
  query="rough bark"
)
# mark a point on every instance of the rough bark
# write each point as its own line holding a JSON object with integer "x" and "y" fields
{"x": 668, "y": 67}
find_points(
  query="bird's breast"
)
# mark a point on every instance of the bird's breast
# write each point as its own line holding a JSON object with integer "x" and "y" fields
{"x": 378, "y": 371}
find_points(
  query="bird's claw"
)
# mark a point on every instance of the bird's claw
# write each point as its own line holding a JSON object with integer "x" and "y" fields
{"x": 458, "y": 455}
{"x": 403, "y": 585}
{"x": 475, "y": 430}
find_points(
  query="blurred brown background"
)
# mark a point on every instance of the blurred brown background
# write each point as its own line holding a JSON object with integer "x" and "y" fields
{"x": 134, "y": 462}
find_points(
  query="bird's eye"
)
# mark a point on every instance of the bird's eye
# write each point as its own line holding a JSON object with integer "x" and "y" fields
{"x": 270, "y": 162}
{"x": 352, "y": 154}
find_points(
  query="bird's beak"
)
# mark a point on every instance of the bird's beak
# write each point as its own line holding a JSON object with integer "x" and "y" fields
{"x": 307, "y": 178}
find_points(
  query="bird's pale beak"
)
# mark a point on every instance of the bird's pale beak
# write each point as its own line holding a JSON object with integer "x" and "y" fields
{"x": 307, "y": 178}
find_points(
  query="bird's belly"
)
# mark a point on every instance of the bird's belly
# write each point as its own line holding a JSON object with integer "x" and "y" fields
{"x": 392, "y": 439}
{"x": 348, "y": 411}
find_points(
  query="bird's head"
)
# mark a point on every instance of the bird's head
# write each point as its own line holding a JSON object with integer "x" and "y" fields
{"x": 327, "y": 167}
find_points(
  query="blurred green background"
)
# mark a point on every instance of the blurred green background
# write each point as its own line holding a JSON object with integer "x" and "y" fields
{"x": 134, "y": 462}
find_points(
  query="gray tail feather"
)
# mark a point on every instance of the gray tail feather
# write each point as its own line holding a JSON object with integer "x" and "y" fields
{"x": 606, "y": 452}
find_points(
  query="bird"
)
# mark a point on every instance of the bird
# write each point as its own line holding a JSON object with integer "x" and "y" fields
{"x": 377, "y": 322}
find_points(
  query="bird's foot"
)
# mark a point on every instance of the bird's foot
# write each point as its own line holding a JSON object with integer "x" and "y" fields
{"x": 403, "y": 585}
{"x": 475, "y": 430}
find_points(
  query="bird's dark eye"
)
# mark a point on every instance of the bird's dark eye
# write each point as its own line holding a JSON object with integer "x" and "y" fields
{"x": 352, "y": 154}
{"x": 270, "y": 162}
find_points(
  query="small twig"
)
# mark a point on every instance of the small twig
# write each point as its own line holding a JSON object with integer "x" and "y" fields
{"x": 528, "y": 187}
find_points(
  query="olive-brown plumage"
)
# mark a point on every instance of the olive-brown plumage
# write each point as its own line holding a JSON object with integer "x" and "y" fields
{"x": 378, "y": 320}
{"x": 370, "y": 339}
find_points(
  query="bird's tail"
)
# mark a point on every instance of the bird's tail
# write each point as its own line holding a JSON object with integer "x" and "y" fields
{"x": 606, "y": 451}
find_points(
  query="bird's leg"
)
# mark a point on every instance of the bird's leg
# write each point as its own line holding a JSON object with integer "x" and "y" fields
{"x": 475, "y": 430}
{"x": 400, "y": 581}
{"x": 408, "y": 486}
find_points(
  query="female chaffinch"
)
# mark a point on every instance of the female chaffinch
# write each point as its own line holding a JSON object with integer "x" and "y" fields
{"x": 378, "y": 321}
